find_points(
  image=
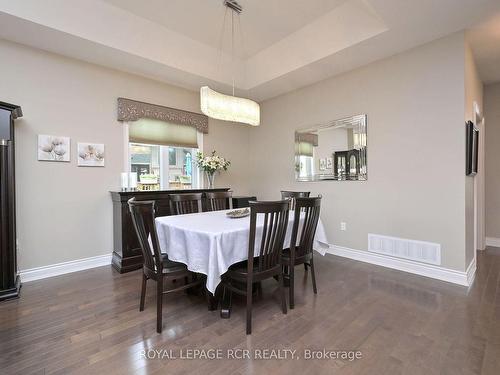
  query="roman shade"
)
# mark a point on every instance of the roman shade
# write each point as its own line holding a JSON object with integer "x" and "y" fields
{"x": 305, "y": 143}
{"x": 163, "y": 133}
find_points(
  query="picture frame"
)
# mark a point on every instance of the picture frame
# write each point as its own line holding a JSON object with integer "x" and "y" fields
{"x": 329, "y": 163}
{"x": 322, "y": 164}
{"x": 91, "y": 154}
{"x": 472, "y": 149}
{"x": 54, "y": 148}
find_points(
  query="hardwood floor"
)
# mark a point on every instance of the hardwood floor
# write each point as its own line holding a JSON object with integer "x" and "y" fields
{"x": 89, "y": 323}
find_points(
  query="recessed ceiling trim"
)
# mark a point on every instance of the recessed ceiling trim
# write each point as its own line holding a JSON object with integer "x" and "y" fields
{"x": 348, "y": 34}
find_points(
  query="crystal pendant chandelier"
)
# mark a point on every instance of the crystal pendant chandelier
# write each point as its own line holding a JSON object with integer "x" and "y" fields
{"x": 229, "y": 107}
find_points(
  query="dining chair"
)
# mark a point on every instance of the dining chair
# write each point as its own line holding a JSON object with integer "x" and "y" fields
{"x": 156, "y": 266}
{"x": 220, "y": 200}
{"x": 292, "y": 195}
{"x": 302, "y": 239}
{"x": 266, "y": 262}
{"x": 186, "y": 203}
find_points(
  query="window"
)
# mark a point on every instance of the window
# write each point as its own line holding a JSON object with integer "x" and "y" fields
{"x": 163, "y": 155}
{"x": 164, "y": 167}
{"x": 305, "y": 166}
{"x": 145, "y": 160}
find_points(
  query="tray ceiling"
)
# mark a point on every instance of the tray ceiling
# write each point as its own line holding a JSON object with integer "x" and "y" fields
{"x": 288, "y": 43}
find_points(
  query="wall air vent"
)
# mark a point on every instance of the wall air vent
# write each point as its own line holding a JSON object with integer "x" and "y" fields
{"x": 420, "y": 251}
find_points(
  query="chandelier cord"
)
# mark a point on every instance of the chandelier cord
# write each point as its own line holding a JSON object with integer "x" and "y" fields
{"x": 232, "y": 47}
{"x": 242, "y": 43}
{"x": 221, "y": 42}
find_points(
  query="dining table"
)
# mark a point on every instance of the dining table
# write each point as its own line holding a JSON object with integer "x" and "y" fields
{"x": 210, "y": 242}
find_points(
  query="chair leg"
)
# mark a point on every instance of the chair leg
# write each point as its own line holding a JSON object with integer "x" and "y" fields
{"x": 259, "y": 289}
{"x": 291, "y": 276}
{"x": 313, "y": 276}
{"x": 225, "y": 307}
{"x": 143, "y": 292}
{"x": 282, "y": 292}
{"x": 249, "y": 308}
{"x": 159, "y": 303}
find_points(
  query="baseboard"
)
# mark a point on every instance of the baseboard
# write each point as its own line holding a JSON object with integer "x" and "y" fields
{"x": 471, "y": 272}
{"x": 456, "y": 277}
{"x": 427, "y": 270}
{"x": 63, "y": 268}
{"x": 493, "y": 241}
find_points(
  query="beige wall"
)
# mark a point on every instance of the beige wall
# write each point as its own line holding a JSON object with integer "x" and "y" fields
{"x": 492, "y": 121}
{"x": 473, "y": 185}
{"x": 64, "y": 211}
{"x": 416, "y": 148}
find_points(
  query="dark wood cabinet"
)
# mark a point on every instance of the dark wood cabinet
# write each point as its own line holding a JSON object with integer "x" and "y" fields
{"x": 9, "y": 279}
{"x": 240, "y": 202}
{"x": 126, "y": 251}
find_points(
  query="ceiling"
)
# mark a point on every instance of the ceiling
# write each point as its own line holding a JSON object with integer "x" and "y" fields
{"x": 263, "y": 23}
{"x": 284, "y": 44}
{"x": 484, "y": 40}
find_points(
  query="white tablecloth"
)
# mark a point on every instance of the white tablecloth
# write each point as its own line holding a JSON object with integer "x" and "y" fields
{"x": 210, "y": 242}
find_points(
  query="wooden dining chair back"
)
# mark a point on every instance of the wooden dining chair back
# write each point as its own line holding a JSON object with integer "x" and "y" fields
{"x": 305, "y": 230}
{"x": 275, "y": 222}
{"x": 186, "y": 203}
{"x": 292, "y": 195}
{"x": 143, "y": 214}
{"x": 264, "y": 252}
{"x": 306, "y": 217}
{"x": 219, "y": 200}
{"x": 156, "y": 265}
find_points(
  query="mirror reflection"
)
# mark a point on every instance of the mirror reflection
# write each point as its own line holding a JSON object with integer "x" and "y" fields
{"x": 333, "y": 151}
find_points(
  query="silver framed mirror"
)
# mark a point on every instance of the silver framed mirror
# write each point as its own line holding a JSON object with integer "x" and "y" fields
{"x": 332, "y": 151}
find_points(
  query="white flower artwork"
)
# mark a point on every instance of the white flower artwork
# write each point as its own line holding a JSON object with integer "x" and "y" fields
{"x": 329, "y": 163}
{"x": 53, "y": 148}
{"x": 90, "y": 154}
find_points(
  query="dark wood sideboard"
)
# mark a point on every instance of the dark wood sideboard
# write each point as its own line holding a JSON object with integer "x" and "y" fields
{"x": 242, "y": 201}
{"x": 126, "y": 251}
{"x": 9, "y": 279}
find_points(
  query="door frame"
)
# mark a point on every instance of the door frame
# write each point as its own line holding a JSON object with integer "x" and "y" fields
{"x": 479, "y": 182}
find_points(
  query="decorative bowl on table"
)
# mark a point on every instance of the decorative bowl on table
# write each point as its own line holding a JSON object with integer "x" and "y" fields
{"x": 236, "y": 214}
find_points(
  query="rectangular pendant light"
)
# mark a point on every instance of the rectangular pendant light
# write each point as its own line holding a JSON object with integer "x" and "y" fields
{"x": 229, "y": 108}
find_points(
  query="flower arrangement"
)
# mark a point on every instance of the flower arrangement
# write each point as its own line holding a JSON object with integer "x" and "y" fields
{"x": 211, "y": 164}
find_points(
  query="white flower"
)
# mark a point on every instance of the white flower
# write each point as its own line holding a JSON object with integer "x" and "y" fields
{"x": 211, "y": 163}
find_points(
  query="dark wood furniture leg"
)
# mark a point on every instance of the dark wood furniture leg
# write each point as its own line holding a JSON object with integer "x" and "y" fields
{"x": 249, "y": 308}
{"x": 313, "y": 275}
{"x": 143, "y": 292}
{"x": 225, "y": 306}
{"x": 212, "y": 301}
{"x": 282, "y": 293}
{"x": 159, "y": 302}
{"x": 291, "y": 284}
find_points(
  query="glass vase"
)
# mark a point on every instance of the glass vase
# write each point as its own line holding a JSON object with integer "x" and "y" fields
{"x": 211, "y": 180}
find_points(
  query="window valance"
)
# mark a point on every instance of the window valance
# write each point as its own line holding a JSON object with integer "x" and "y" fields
{"x": 307, "y": 138}
{"x": 133, "y": 110}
